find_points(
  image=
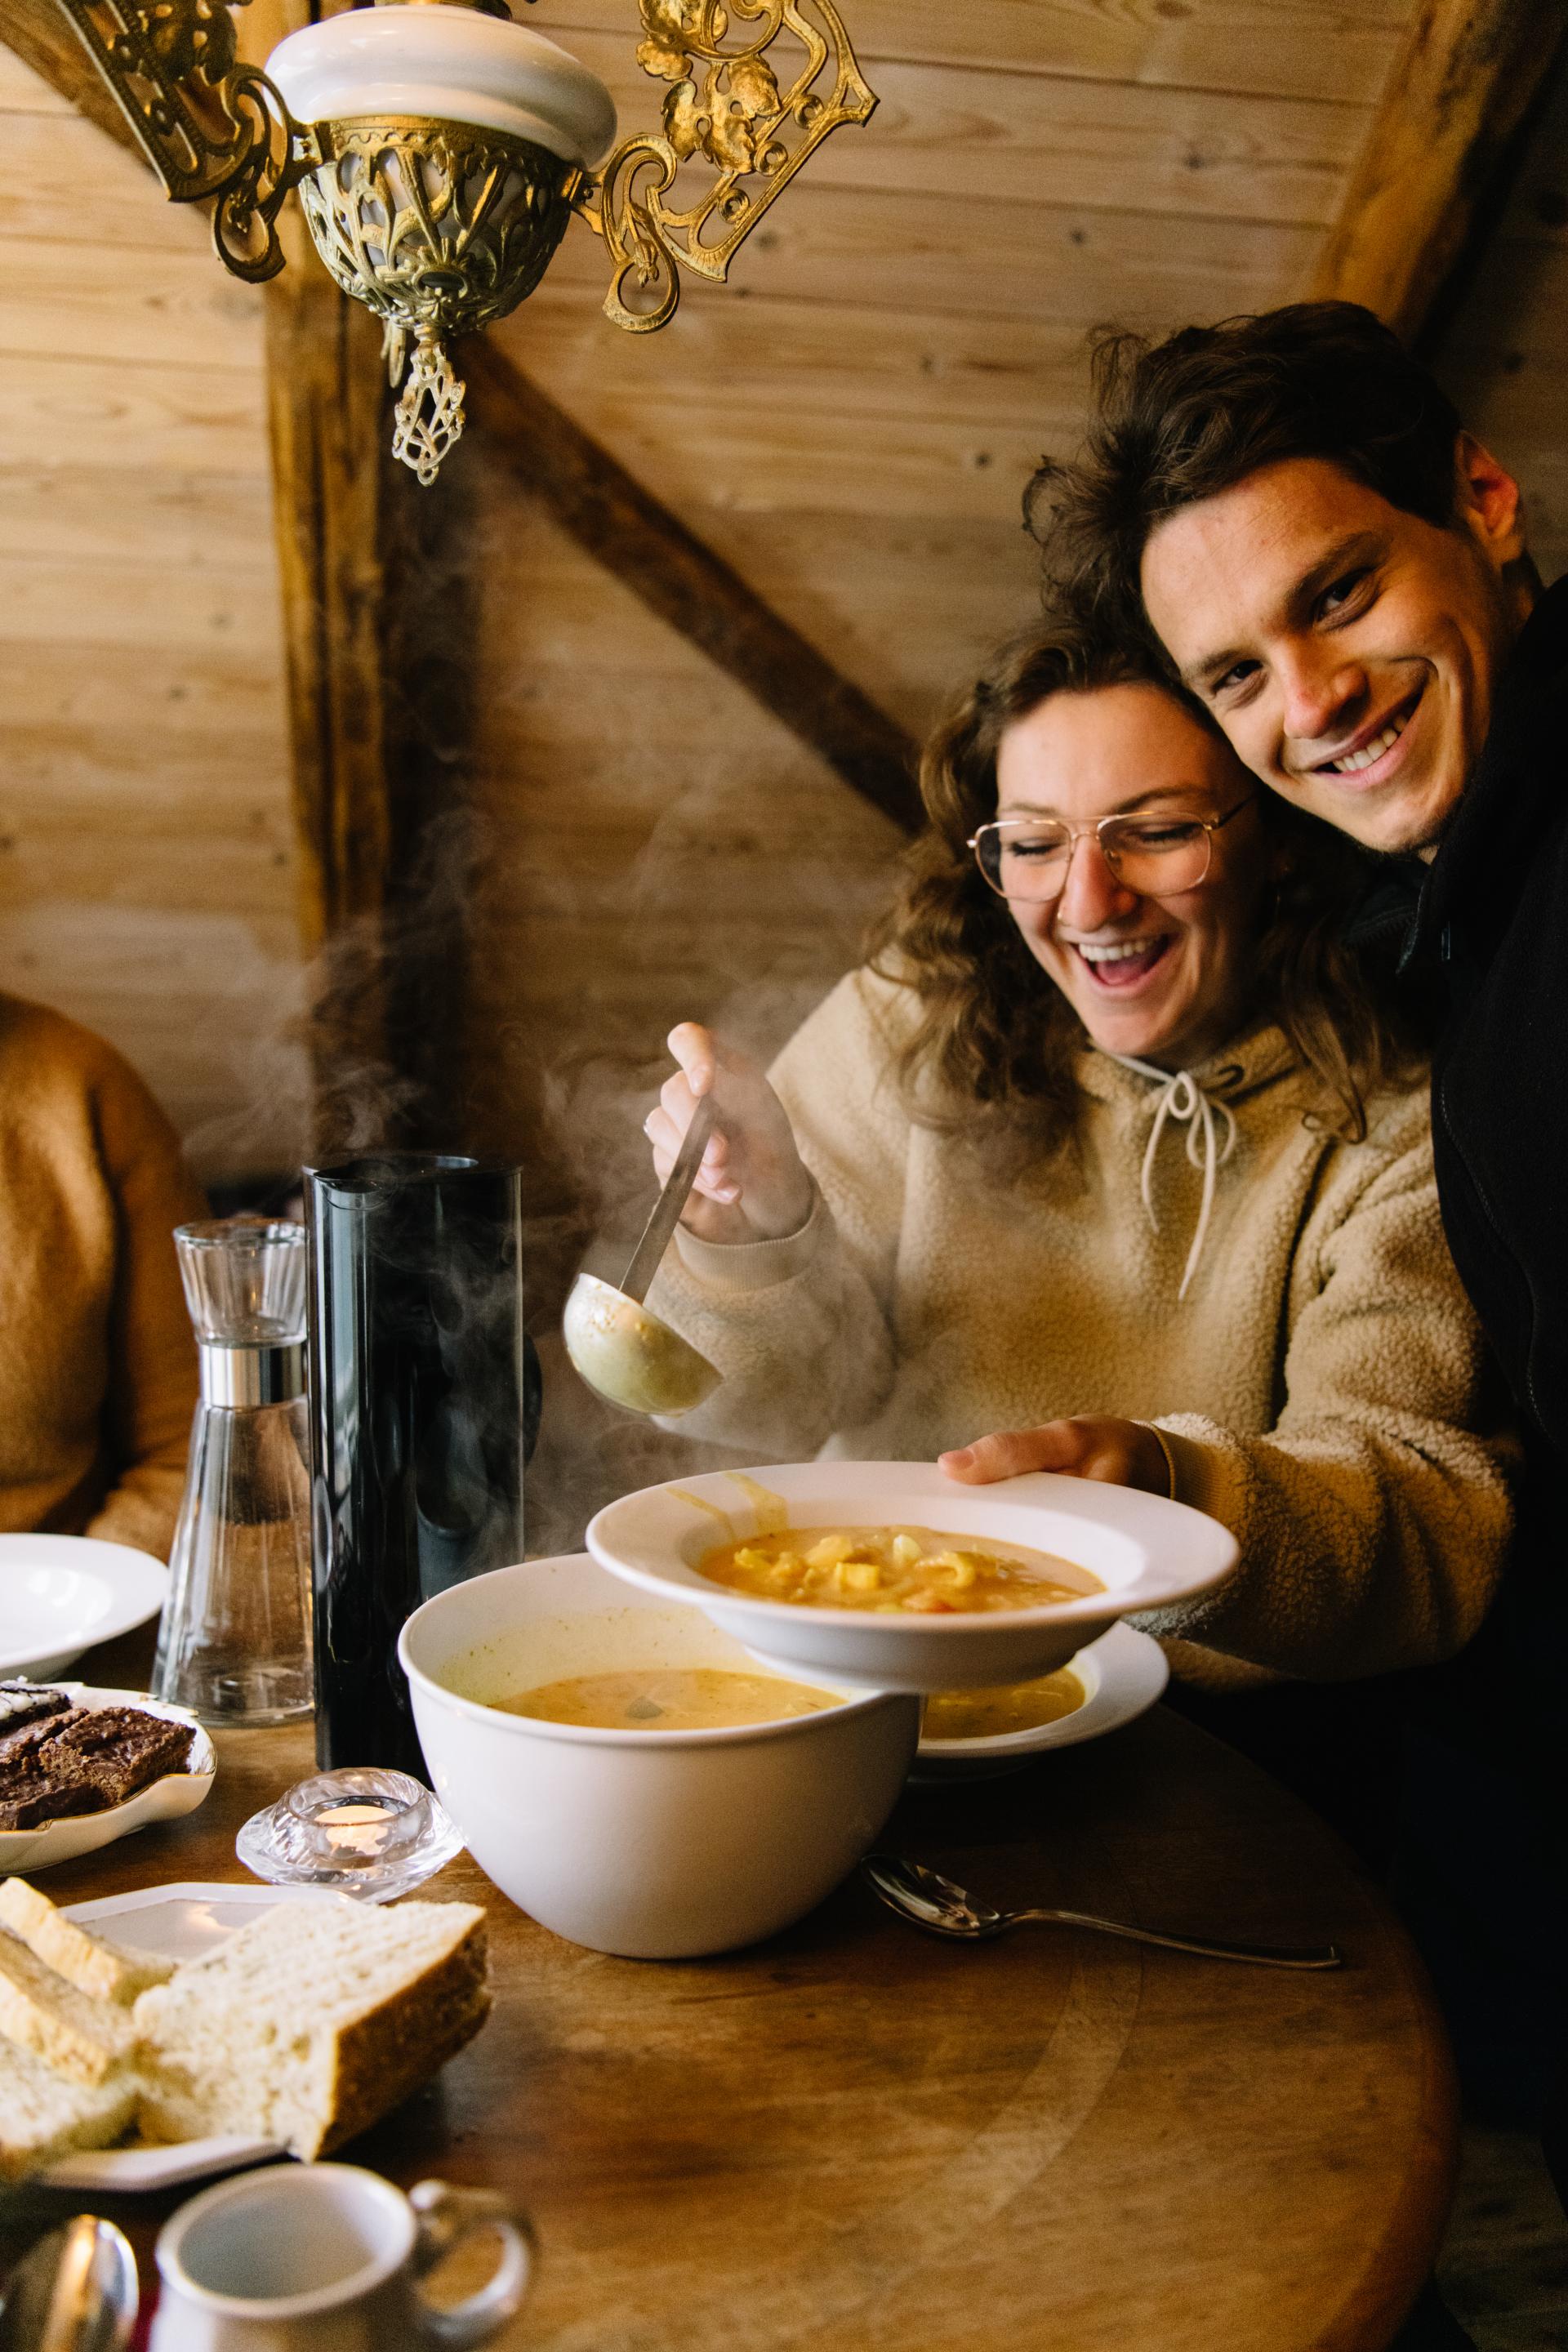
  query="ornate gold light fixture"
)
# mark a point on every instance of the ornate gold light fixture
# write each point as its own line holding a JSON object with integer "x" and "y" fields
{"x": 440, "y": 150}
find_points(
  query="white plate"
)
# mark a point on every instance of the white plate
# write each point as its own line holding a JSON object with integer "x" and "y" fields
{"x": 1146, "y": 1553}
{"x": 160, "y": 1800}
{"x": 1123, "y": 1674}
{"x": 180, "y": 1923}
{"x": 61, "y": 1594}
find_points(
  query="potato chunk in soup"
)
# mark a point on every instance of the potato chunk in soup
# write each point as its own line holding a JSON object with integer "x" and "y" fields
{"x": 897, "y": 1571}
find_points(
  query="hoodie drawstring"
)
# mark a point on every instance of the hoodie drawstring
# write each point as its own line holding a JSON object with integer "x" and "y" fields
{"x": 1182, "y": 1099}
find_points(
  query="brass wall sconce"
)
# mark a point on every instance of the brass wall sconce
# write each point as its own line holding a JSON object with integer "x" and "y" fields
{"x": 440, "y": 151}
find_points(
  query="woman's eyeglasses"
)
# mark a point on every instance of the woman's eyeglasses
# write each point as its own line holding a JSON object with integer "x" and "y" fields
{"x": 1029, "y": 858}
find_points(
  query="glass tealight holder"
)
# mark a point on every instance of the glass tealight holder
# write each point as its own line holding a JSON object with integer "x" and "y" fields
{"x": 365, "y": 1831}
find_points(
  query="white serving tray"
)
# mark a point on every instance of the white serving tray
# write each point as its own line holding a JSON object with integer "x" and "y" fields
{"x": 160, "y": 1800}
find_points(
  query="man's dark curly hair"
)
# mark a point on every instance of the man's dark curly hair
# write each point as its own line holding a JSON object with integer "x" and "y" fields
{"x": 1181, "y": 420}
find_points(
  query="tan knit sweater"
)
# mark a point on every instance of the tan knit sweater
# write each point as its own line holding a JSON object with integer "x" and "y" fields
{"x": 98, "y": 1372}
{"x": 1320, "y": 1385}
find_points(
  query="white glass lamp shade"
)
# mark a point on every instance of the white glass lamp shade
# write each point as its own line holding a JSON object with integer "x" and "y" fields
{"x": 449, "y": 64}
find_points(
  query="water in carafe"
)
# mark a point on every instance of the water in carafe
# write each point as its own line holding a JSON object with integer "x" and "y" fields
{"x": 235, "y": 1642}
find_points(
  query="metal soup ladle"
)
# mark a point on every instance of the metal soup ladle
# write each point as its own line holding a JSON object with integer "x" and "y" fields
{"x": 626, "y": 1355}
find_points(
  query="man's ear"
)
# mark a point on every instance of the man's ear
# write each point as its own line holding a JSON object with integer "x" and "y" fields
{"x": 1490, "y": 505}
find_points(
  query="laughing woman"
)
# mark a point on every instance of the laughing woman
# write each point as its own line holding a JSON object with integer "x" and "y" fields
{"x": 1106, "y": 1164}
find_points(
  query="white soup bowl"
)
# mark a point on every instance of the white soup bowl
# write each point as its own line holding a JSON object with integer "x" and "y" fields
{"x": 1125, "y": 1551}
{"x": 655, "y": 1845}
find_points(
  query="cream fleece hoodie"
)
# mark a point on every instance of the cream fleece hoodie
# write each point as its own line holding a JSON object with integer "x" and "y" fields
{"x": 1320, "y": 1385}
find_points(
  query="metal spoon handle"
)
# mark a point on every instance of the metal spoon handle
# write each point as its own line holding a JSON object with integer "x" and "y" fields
{"x": 1266, "y": 1956}
{"x": 667, "y": 1208}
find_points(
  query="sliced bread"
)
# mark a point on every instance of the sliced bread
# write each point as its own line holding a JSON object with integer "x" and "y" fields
{"x": 44, "y": 2115}
{"x": 77, "y": 2036}
{"x": 91, "y": 1963}
{"x": 311, "y": 2022}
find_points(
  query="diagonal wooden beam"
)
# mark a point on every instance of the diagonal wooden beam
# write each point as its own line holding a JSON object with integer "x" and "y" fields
{"x": 651, "y": 552}
{"x": 1468, "y": 73}
{"x": 44, "y": 37}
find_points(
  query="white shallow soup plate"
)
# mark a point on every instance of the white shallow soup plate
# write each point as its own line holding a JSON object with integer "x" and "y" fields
{"x": 61, "y": 1594}
{"x": 653, "y": 1845}
{"x": 1126, "y": 1550}
{"x": 1122, "y": 1674}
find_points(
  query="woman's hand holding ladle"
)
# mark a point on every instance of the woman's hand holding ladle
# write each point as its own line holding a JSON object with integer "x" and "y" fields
{"x": 752, "y": 1184}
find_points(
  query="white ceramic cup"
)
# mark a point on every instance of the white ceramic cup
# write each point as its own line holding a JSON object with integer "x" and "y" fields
{"x": 326, "y": 2258}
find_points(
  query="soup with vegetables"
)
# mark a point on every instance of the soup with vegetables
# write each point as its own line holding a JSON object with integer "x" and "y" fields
{"x": 668, "y": 1698}
{"x": 892, "y": 1569}
{"x": 1017, "y": 1706}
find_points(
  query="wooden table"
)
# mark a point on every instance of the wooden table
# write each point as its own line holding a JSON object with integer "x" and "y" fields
{"x": 858, "y": 2137}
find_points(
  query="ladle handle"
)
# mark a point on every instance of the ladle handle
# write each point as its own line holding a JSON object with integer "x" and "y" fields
{"x": 650, "y": 1250}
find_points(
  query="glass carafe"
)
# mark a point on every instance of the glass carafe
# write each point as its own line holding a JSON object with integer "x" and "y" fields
{"x": 235, "y": 1642}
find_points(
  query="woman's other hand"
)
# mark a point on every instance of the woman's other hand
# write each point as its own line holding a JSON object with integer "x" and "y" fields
{"x": 752, "y": 1184}
{"x": 1120, "y": 1452}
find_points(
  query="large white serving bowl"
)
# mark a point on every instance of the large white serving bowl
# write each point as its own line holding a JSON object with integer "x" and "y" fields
{"x": 657, "y": 1846}
{"x": 1145, "y": 1553}
{"x": 61, "y": 1594}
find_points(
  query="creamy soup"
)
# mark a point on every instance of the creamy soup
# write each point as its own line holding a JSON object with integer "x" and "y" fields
{"x": 894, "y": 1569}
{"x": 1017, "y": 1706}
{"x": 668, "y": 1698}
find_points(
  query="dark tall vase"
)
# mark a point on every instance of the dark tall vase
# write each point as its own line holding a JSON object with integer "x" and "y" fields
{"x": 424, "y": 1399}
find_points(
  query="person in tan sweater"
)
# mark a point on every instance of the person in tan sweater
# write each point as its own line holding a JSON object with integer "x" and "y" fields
{"x": 97, "y": 1374}
{"x": 1106, "y": 1165}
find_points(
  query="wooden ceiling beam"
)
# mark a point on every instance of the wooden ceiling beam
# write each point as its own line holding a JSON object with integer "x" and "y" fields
{"x": 649, "y": 550}
{"x": 43, "y": 37}
{"x": 1466, "y": 78}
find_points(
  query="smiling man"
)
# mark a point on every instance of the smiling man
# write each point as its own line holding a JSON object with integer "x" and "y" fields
{"x": 1290, "y": 508}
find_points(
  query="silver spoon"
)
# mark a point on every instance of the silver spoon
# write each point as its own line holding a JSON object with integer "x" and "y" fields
{"x": 75, "y": 2291}
{"x": 628, "y": 1356}
{"x": 934, "y": 1902}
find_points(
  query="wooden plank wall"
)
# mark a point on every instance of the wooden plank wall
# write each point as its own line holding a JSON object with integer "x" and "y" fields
{"x": 146, "y": 846}
{"x": 850, "y": 423}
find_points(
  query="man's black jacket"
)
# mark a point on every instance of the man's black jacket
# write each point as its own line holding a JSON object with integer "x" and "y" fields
{"x": 1494, "y": 913}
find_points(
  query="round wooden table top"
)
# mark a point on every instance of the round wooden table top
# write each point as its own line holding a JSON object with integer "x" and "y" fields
{"x": 858, "y": 2137}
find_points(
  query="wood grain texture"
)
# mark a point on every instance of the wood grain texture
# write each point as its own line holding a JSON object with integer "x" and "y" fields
{"x": 853, "y": 2135}
{"x": 37, "y": 31}
{"x": 610, "y": 515}
{"x": 1463, "y": 82}
{"x": 1284, "y": 49}
{"x": 957, "y": 131}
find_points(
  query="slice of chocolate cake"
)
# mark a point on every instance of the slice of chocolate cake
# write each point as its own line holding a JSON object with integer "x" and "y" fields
{"x": 20, "y": 1750}
{"x": 115, "y": 1750}
{"x": 28, "y": 1800}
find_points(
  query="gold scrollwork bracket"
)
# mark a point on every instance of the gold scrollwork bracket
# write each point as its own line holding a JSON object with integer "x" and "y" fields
{"x": 211, "y": 127}
{"x": 727, "y": 109}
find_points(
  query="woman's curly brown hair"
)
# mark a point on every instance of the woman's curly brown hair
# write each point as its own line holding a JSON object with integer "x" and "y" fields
{"x": 994, "y": 1034}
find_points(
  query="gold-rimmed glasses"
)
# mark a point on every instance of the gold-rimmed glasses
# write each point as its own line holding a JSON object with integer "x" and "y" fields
{"x": 1158, "y": 854}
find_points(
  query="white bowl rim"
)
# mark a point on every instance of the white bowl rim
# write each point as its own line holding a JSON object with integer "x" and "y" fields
{"x": 1045, "y": 1486}
{"x": 137, "y": 1582}
{"x": 588, "y": 1735}
{"x": 1041, "y": 1736}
